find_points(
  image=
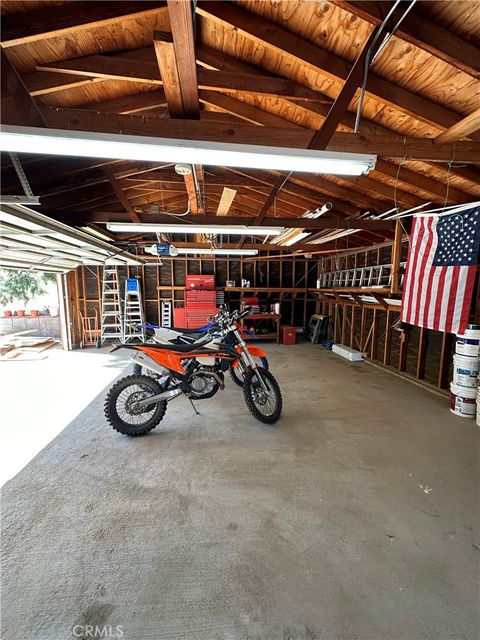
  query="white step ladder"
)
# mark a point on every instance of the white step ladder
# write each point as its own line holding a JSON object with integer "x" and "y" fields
{"x": 111, "y": 327}
{"x": 166, "y": 311}
{"x": 133, "y": 311}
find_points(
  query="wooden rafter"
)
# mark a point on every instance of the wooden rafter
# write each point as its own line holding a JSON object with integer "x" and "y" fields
{"x": 424, "y": 34}
{"x": 121, "y": 195}
{"x": 226, "y": 200}
{"x": 146, "y": 72}
{"x": 292, "y": 47}
{"x": 462, "y": 129}
{"x": 17, "y": 107}
{"x": 167, "y": 65}
{"x": 184, "y": 46}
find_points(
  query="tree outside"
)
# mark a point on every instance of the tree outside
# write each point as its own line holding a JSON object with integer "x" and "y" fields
{"x": 19, "y": 287}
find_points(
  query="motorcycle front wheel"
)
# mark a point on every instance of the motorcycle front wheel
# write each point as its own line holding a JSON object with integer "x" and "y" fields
{"x": 264, "y": 405}
{"x": 237, "y": 375}
{"x": 121, "y": 410}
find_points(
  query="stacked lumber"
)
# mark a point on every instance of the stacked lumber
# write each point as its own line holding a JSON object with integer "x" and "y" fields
{"x": 19, "y": 346}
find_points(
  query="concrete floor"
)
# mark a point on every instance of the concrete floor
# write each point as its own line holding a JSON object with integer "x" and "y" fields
{"x": 354, "y": 517}
{"x": 40, "y": 397}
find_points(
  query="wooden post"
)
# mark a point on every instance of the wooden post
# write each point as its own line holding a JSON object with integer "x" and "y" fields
{"x": 402, "y": 357}
{"x": 353, "y": 326}
{"x": 444, "y": 360}
{"x": 388, "y": 339}
{"x": 396, "y": 258}
{"x": 373, "y": 350}
{"x": 422, "y": 345}
{"x": 362, "y": 328}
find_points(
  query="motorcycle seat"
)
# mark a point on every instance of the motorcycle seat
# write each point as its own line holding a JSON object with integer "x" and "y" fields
{"x": 189, "y": 331}
{"x": 178, "y": 348}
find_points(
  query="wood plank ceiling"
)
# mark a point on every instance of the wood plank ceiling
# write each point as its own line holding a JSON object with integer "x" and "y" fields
{"x": 256, "y": 71}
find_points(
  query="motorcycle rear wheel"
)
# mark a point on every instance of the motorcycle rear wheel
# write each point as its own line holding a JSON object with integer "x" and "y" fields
{"x": 266, "y": 407}
{"x": 120, "y": 413}
{"x": 237, "y": 376}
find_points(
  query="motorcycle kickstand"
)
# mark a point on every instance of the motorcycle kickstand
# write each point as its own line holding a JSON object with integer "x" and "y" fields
{"x": 194, "y": 407}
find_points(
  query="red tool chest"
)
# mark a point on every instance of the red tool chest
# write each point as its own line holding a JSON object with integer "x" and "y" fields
{"x": 200, "y": 282}
{"x": 288, "y": 335}
{"x": 200, "y": 299}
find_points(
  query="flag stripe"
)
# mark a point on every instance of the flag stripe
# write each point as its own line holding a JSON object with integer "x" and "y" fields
{"x": 424, "y": 271}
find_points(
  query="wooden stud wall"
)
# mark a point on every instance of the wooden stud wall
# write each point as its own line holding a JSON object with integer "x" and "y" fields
{"x": 288, "y": 281}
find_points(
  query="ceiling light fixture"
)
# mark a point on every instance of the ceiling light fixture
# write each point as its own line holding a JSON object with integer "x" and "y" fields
{"x": 217, "y": 252}
{"x": 126, "y": 147}
{"x": 213, "y": 229}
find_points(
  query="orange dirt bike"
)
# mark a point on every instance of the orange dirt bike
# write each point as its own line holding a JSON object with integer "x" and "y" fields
{"x": 137, "y": 403}
{"x": 164, "y": 335}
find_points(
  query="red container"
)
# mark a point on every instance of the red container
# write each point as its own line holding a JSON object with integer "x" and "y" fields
{"x": 179, "y": 320}
{"x": 288, "y": 335}
{"x": 200, "y": 282}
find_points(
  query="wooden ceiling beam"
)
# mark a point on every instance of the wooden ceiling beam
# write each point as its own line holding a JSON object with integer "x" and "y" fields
{"x": 245, "y": 111}
{"x": 191, "y": 193}
{"x": 181, "y": 21}
{"x": 17, "y": 107}
{"x": 388, "y": 146}
{"x": 133, "y": 103}
{"x": 71, "y": 18}
{"x": 462, "y": 129}
{"x": 41, "y": 83}
{"x": 423, "y": 34}
{"x": 167, "y": 65}
{"x": 146, "y": 72}
{"x": 289, "y": 223}
{"x": 291, "y": 46}
{"x": 121, "y": 195}
{"x": 226, "y": 200}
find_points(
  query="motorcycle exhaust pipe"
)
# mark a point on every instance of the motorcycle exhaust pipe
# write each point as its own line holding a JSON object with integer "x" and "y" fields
{"x": 158, "y": 397}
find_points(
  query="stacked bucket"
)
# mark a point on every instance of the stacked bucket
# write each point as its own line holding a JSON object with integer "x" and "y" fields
{"x": 465, "y": 390}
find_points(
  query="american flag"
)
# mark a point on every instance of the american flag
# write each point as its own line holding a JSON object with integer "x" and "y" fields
{"x": 440, "y": 271}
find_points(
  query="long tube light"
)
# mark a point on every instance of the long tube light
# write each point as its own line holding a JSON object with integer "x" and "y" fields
{"x": 296, "y": 238}
{"x": 213, "y": 229}
{"x": 127, "y": 147}
{"x": 217, "y": 252}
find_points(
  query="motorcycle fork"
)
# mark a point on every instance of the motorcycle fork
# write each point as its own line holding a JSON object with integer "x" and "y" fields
{"x": 247, "y": 359}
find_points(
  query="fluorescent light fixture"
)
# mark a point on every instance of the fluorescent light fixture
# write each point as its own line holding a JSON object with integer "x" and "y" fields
{"x": 296, "y": 238}
{"x": 238, "y": 230}
{"x": 126, "y": 147}
{"x": 97, "y": 234}
{"x": 217, "y": 252}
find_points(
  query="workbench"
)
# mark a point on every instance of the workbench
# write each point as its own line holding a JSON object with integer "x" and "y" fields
{"x": 260, "y": 318}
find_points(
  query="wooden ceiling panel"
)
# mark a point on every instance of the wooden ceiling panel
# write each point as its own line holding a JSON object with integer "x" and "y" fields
{"x": 461, "y": 17}
{"x": 336, "y": 30}
{"x": 23, "y": 6}
{"x": 239, "y": 46}
{"x": 127, "y": 35}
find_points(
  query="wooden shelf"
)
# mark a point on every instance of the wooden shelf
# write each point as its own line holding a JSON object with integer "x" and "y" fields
{"x": 359, "y": 291}
{"x": 269, "y": 289}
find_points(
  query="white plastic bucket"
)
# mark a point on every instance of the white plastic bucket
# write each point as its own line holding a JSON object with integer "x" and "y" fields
{"x": 465, "y": 370}
{"x": 463, "y": 401}
{"x": 468, "y": 344}
{"x": 478, "y": 406}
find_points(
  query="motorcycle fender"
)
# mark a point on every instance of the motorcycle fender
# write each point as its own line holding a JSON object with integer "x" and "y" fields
{"x": 256, "y": 352}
